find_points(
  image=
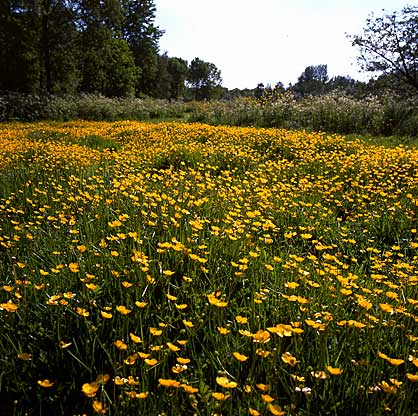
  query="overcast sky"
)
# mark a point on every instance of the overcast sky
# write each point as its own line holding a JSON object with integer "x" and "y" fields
{"x": 268, "y": 41}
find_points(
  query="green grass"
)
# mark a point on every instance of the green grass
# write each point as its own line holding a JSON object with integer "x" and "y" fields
{"x": 185, "y": 269}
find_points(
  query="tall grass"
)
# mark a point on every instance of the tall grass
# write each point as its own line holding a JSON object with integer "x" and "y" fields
{"x": 386, "y": 115}
{"x": 185, "y": 269}
{"x": 334, "y": 112}
{"x": 20, "y": 107}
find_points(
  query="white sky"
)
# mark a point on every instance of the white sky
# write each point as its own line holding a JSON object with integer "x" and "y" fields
{"x": 268, "y": 41}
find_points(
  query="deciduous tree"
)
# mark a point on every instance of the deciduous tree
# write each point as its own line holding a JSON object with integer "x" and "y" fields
{"x": 204, "y": 78}
{"x": 389, "y": 45}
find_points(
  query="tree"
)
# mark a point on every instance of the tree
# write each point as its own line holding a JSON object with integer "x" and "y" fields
{"x": 178, "y": 70}
{"x": 163, "y": 80}
{"x": 346, "y": 85}
{"x": 389, "y": 45}
{"x": 64, "y": 46}
{"x": 312, "y": 80}
{"x": 172, "y": 72}
{"x": 107, "y": 63}
{"x": 204, "y": 79}
{"x": 38, "y": 46}
{"x": 142, "y": 36}
{"x": 19, "y": 55}
{"x": 259, "y": 90}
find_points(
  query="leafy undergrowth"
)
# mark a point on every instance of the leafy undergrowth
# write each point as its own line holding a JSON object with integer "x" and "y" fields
{"x": 193, "y": 270}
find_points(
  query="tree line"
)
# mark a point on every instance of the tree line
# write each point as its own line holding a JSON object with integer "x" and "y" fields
{"x": 108, "y": 47}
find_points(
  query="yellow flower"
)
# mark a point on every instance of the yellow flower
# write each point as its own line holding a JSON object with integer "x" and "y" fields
{"x": 223, "y": 331}
{"x": 91, "y": 286}
{"x": 334, "y": 371}
{"x": 144, "y": 355}
{"x": 189, "y": 389}
{"x": 220, "y": 396}
{"x": 131, "y": 359}
{"x": 412, "y": 377}
{"x": 151, "y": 361}
{"x": 387, "y": 308}
{"x": 141, "y": 304}
{"x": 172, "y": 347}
{"x": 90, "y": 389}
{"x": 253, "y": 412}
{"x": 261, "y": 336}
{"x": 263, "y": 387}
{"x": 106, "y": 315}
{"x": 177, "y": 369}
{"x": 267, "y": 398}
{"x": 224, "y": 382}
{"x": 247, "y": 388}
{"x": 24, "y": 356}
{"x": 115, "y": 223}
{"x": 9, "y": 306}
{"x": 388, "y": 388}
{"x": 135, "y": 338}
{"x": 276, "y": 410}
{"x": 319, "y": 374}
{"x": 135, "y": 395}
{"x": 155, "y": 331}
{"x": 240, "y": 357}
{"x": 98, "y": 407}
{"x": 213, "y": 300}
{"x": 168, "y": 383}
{"x": 282, "y": 330}
{"x": 74, "y": 268}
{"x": 120, "y": 381}
{"x": 394, "y": 361}
{"x": 45, "y": 383}
{"x": 120, "y": 345}
{"x": 241, "y": 319}
{"x": 65, "y": 345}
{"x": 288, "y": 358}
{"x": 262, "y": 353}
{"x": 123, "y": 310}
{"x": 82, "y": 312}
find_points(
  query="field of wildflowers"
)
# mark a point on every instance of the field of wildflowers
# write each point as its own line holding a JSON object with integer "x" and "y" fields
{"x": 186, "y": 269}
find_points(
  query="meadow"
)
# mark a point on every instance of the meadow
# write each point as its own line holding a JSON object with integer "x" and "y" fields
{"x": 188, "y": 269}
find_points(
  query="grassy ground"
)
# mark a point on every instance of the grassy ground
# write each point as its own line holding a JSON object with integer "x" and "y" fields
{"x": 186, "y": 269}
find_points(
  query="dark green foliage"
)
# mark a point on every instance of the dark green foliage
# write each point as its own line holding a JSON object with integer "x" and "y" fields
{"x": 312, "y": 80}
{"x": 63, "y": 47}
{"x": 204, "y": 79}
{"x": 142, "y": 37}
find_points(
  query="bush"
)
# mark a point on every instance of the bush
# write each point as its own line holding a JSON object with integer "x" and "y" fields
{"x": 333, "y": 112}
{"x": 387, "y": 115}
{"x": 25, "y": 107}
